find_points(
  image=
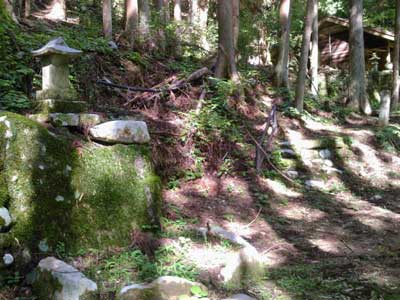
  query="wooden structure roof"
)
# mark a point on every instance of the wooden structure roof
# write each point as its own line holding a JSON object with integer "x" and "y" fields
{"x": 334, "y": 42}
{"x": 332, "y": 25}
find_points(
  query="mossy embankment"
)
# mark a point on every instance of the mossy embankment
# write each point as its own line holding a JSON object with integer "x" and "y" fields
{"x": 63, "y": 192}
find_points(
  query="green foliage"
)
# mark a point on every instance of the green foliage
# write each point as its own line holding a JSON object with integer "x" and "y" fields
{"x": 134, "y": 266}
{"x": 325, "y": 281}
{"x": 277, "y": 160}
{"x": 198, "y": 291}
{"x": 173, "y": 183}
{"x": 389, "y": 138}
{"x": 13, "y": 100}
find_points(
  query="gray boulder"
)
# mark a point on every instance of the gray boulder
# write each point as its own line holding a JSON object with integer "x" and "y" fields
{"x": 5, "y": 218}
{"x": 124, "y": 131}
{"x": 56, "y": 280}
{"x": 245, "y": 267}
{"x": 325, "y": 153}
{"x": 315, "y": 184}
{"x": 163, "y": 288}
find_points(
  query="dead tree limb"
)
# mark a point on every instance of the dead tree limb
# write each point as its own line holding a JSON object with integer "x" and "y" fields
{"x": 271, "y": 128}
{"x": 175, "y": 86}
{"x": 270, "y": 162}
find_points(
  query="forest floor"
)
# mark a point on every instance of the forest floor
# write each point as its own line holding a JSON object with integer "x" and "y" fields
{"x": 332, "y": 232}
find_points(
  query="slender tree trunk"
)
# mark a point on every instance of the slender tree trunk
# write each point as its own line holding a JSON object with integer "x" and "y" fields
{"x": 107, "y": 19}
{"x": 281, "y": 70}
{"x": 396, "y": 79}
{"x": 235, "y": 20}
{"x": 194, "y": 8}
{"x": 177, "y": 11}
{"x": 132, "y": 19}
{"x": 58, "y": 10}
{"x": 226, "y": 63}
{"x": 357, "y": 89}
{"x": 314, "y": 53}
{"x": 144, "y": 13}
{"x": 27, "y": 8}
{"x": 163, "y": 6}
{"x": 198, "y": 19}
{"x": 10, "y": 10}
{"x": 305, "y": 47}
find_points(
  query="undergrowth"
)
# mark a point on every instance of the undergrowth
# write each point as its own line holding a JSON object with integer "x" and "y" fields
{"x": 389, "y": 138}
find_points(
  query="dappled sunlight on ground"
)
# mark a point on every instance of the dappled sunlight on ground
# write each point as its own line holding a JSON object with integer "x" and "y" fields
{"x": 351, "y": 219}
{"x": 279, "y": 188}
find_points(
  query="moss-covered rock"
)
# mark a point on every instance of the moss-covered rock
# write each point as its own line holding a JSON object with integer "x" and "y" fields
{"x": 77, "y": 195}
{"x": 61, "y": 106}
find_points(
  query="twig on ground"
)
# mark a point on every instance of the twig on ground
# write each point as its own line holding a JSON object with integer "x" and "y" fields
{"x": 258, "y": 214}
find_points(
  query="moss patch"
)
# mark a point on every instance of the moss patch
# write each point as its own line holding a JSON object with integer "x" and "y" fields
{"x": 87, "y": 197}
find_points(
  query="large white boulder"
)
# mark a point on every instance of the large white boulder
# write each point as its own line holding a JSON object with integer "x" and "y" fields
{"x": 123, "y": 131}
{"x": 56, "y": 280}
{"x": 163, "y": 288}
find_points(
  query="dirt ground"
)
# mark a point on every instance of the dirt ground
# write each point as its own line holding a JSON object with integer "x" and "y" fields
{"x": 338, "y": 241}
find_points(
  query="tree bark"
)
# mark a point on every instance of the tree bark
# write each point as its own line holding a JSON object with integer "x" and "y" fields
{"x": 132, "y": 19}
{"x": 177, "y": 11}
{"x": 58, "y": 10}
{"x": 281, "y": 70}
{"x": 163, "y": 8}
{"x": 27, "y": 8}
{"x": 144, "y": 13}
{"x": 199, "y": 19}
{"x": 235, "y": 20}
{"x": 194, "y": 8}
{"x": 314, "y": 52}
{"x": 301, "y": 78}
{"x": 357, "y": 89}
{"x": 10, "y": 10}
{"x": 107, "y": 19}
{"x": 396, "y": 79}
{"x": 226, "y": 63}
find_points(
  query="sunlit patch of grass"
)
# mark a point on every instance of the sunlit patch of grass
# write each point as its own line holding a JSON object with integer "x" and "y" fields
{"x": 325, "y": 281}
{"x": 132, "y": 266}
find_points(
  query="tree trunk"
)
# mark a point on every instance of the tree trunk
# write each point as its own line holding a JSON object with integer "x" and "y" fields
{"x": 27, "y": 8}
{"x": 10, "y": 10}
{"x": 357, "y": 89}
{"x": 384, "y": 113}
{"x": 163, "y": 7}
{"x": 226, "y": 63}
{"x": 199, "y": 19}
{"x": 144, "y": 13}
{"x": 107, "y": 19}
{"x": 132, "y": 20}
{"x": 314, "y": 53}
{"x": 281, "y": 70}
{"x": 194, "y": 8}
{"x": 235, "y": 20}
{"x": 58, "y": 10}
{"x": 396, "y": 80}
{"x": 177, "y": 11}
{"x": 305, "y": 46}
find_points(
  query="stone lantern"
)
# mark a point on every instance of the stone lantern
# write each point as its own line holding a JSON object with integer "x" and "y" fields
{"x": 57, "y": 94}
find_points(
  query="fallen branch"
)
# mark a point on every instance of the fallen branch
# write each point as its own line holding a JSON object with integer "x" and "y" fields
{"x": 175, "y": 86}
{"x": 128, "y": 88}
{"x": 272, "y": 123}
{"x": 255, "y": 219}
{"x": 270, "y": 163}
